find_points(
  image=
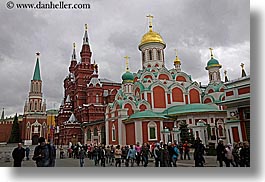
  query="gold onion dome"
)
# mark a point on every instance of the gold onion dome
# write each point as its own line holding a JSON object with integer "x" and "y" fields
{"x": 177, "y": 60}
{"x": 151, "y": 36}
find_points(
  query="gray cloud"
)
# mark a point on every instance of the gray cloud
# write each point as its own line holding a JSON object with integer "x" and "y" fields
{"x": 115, "y": 30}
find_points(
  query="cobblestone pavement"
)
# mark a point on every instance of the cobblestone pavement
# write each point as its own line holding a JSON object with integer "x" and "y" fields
{"x": 7, "y": 161}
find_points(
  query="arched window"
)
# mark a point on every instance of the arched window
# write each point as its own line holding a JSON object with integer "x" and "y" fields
{"x": 143, "y": 56}
{"x": 113, "y": 133}
{"x": 150, "y": 55}
{"x": 88, "y": 134}
{"x": 95, "y": 131}
{"x": 152, "y": 131}
{"x": 158, "y": 55}
{"x": 35, "y": 106}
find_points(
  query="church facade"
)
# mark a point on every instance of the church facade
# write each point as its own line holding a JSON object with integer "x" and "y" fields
{"x": 153, "y": 101}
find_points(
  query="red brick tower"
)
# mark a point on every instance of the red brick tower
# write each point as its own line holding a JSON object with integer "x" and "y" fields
{"x": 34, "y": 124}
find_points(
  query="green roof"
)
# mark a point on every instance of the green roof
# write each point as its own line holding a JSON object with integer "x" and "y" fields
{"x": 213, "y": 62}
{"x": 52, "y": 111}
{"x": 189, "y": 108}
{"x": 36, "y": 75}
{"x": 146, "y": 114}
{"x": 127, "y": 76}
{"x": 232, "y": 121}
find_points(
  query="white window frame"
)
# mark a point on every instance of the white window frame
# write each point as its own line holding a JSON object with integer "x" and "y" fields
{"x": 152, "y": 124}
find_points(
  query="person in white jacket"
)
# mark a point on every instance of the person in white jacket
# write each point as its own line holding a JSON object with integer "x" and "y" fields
{"x": 229, "y": 156}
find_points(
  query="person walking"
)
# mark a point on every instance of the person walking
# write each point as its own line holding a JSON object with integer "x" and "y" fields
{"x": 186, "y": 149}
{"x": 157, "y": 155}
{"x": 220, "y": 152}
{"x": 164, "y": 157}
{"x": 131, "y": 156}
{"x": 145, "y": 152}
{"x": 245, "y": 155}
{"x": 43, "y": 154}
{"x": 138, "y": 156}
{"x": 117, "y": 156}
{"x": 198, "y": 153}
{"x": 102, "y": 155}
{"x": 175, "y": 154}
{"x": 180, "y": 147}
{"x": 229, "y": 156}
{"x": 82, "y": 157}
{"x": 18, "y": 155}
{"x": 27, "y": 152}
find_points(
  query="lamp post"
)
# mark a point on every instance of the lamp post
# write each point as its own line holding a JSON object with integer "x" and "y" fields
{"x": 176, "y": 133}
{"x": 166, "y": 133}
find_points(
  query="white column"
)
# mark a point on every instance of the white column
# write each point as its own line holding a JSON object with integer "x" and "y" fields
{"x": 119, "y": 132}
{"x": 138, "y": 132}
{"x": 161, "y": 129}
{"x": 85, "y": 136}
{"x": 107, "y": 132}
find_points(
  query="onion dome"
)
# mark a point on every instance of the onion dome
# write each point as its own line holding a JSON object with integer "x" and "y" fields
{"x": 151, "y": 36}
{"x": 212, "y": 62}
{"x": 127, "y": 77}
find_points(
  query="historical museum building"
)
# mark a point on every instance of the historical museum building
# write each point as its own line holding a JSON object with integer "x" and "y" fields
{"x": 81, "y": 116}
{"x": 153, "y": 101}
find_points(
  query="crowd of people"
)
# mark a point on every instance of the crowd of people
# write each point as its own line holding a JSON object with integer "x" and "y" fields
{"x": 237, "y": 155}
{"x": 163, "y": 154}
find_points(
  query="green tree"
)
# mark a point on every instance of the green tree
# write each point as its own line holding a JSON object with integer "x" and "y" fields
{"x": 185, "y": 134}
{"x": 15, "y": 132}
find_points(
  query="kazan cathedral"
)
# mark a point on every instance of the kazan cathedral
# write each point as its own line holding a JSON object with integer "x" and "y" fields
{"x": 152, "y": 102}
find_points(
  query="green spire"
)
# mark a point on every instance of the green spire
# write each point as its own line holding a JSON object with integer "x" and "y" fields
{"x": 36, "y": 75}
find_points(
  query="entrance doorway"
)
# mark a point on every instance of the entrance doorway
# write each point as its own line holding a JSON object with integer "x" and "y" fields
{"x": 35, "y": 139}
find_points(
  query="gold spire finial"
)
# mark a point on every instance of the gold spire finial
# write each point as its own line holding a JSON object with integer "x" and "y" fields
{"x": 211, "y": 49}
{"x": 150, "y": 21}
{"x": 85, "y": 27}
{"x": 127, "y": 63}
{"x": 242, "y": 65}
{"x": 177, "y": 60}
{"x": 74, "y": 45}
{"x": 225, "y": 72}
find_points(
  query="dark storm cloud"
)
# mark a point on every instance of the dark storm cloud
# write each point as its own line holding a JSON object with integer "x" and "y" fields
{"x": 115, "y": 30}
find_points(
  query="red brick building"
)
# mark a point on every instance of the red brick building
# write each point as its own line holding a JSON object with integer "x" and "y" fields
{"x": 82, "y": 113}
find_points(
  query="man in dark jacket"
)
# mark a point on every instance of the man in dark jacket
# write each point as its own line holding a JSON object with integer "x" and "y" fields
{"x": 220, "y": 151}
{"x": 43, "y": 154}
{"x": 18, "y": 155}
{"x": 245, "y": 155}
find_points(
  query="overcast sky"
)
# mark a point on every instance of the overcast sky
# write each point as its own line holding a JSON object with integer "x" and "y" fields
{"x": 115, "y": 30}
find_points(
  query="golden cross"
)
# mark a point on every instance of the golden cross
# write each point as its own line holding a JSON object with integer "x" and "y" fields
{"x": 211, "y": 49}
{"x": 150, "y": 21}
{"x": 176, "y": 52}
{"x": 127, "y": 62}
